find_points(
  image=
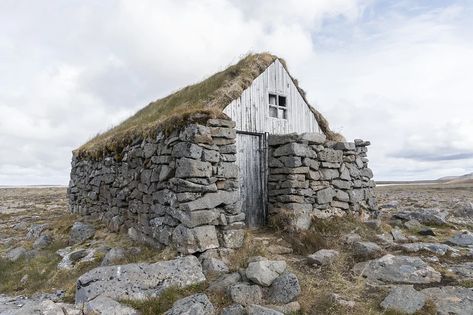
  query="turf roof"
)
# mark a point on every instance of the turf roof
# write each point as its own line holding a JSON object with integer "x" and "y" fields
{"x": 194, "y": 103}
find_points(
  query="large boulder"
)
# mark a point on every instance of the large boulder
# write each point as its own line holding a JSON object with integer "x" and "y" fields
{"x": 404, "y": 299}
{"x": 398, "y": 269}
{"x": 80, "y": 232}
{"x": 197, "y": 304}
{"x": 264, "y": 272}
{"x": 138, "y": 281}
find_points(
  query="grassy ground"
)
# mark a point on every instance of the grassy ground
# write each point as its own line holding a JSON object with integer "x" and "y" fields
{"x": 39, "y": 273}
{"x": 317, "y": 283}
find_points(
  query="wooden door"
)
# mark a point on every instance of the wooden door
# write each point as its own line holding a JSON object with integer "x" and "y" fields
{"x": 251, "y": 159}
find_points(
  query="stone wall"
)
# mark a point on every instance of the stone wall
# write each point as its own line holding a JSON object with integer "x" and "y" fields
{"x": 312, "y": 177}
{"x": 179, "y": 189}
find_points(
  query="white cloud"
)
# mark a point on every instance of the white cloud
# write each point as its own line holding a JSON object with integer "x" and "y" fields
{"x": 71, "y": 69}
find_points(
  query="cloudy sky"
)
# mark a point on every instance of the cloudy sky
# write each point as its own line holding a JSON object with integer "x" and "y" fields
{"x": 399, "y": 73}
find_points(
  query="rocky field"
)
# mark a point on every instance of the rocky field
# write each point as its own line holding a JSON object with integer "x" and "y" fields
{"x": 416, "y": 258}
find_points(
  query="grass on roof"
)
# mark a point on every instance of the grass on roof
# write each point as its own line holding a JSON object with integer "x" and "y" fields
{"x": 194, "y": 103}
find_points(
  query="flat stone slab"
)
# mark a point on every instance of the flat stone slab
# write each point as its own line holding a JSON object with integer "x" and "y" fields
{"x": 451, "y": 300}
{"x": 138, "y": 281}
{"x": 398, "y": 269}
{"x": 404, "y": 299}
{"x": 197, "y": 304}
{"x": 424, "y": 216}
{"x": 462, "y": 239}
{"x": 105, "y": 305}
{"x": 464, "y": 270}
{"x": 436, "y": 248}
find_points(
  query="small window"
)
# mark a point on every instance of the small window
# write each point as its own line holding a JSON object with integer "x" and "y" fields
{"x": 273, "y": 111}
{"x": 282, "y": 101}
{"x": 277, "y": 106}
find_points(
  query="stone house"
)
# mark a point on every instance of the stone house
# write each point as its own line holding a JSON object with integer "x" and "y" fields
{"x": 196, "y": 168}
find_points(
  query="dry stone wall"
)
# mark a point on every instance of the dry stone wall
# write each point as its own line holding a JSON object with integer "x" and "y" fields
{"x": 312, "y": 177}
{"x": 179, "y": 189}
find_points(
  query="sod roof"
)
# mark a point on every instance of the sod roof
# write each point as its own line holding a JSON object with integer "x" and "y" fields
{"x": 194, "y": 103}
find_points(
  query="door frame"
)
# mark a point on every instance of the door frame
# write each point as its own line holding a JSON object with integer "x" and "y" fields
{"x": 263, "y": 146}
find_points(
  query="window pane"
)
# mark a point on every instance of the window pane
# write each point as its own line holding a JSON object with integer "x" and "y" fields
{"x": 273, "y": 112}
{"x": 281, "y": 113}
{"x": 282, "y": 101}
{"x": 272, "y": 99}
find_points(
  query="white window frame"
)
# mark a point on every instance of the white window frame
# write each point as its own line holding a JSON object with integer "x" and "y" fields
{"x": 280, "y": 109}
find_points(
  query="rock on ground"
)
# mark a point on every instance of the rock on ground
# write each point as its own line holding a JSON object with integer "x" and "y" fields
{"x": 464, "y": 238}
{"x": 80, "y": 232}
{"x": 42, "y": 241}
{"x": 224, "y": 282}
{"x": 234, "y": 309}
{"x": 243, "y": 293}
{"x": 261, "y": 310}
{"x": 15, "y": 253}
{"x": 264, "y": 272}
{"x": 436, "y": 248}
{"x": 451, "y": 300}
{"x": 197, "y": 304}
{"x": 398, "y": 235}
{"x": 284, "y": 289}
{"x": 36, "y": 230}
{"x": 113, "y": 255}
{"x": 398, "y": 269}
{"x": 138, "y": 281}
{"x": 323, "y": 257}
{"x": 463, "y": 270}
{"x": 424, "y": 216}
{"x": 70, "y": 258}
{"x": 214, "y": 266}
{"x": 289, "y": 308}
{"x": 106, "y": 306}
{"x": 367, "y": 249}
{"x": 404, "y": 299}
{"x": 22, "y": 306}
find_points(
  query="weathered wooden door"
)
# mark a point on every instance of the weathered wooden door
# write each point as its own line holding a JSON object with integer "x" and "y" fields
{"x": 251, "y": 158}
